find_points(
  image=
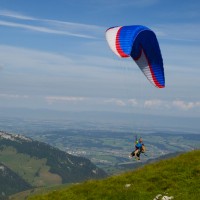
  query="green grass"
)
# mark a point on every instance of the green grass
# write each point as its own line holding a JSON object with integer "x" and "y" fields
{"x": 31, "y": 169}
{"x": 40, "y": 190}
{"x": 178, "y": 177}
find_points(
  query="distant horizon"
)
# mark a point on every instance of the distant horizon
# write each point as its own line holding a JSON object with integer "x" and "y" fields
{"x": 99, "y": 120}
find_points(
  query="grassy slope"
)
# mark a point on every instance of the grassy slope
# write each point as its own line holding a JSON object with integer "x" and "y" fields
{"x": 27, "y": 167}
{"x": 40, "y": 190}
{"x": 178, "y": 177}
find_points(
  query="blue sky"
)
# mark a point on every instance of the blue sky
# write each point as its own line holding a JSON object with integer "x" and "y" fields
{"x": 53, "y": 55}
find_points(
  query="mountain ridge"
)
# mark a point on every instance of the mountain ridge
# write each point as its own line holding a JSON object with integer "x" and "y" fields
{"x": 40, "y": 164}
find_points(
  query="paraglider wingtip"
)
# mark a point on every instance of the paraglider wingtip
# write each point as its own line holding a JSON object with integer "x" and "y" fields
{"x": 160, "y": 86}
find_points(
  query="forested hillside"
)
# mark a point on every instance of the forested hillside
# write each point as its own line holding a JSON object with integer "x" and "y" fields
{"x": 10, "y": 182}
{"x": 40, "y": 164}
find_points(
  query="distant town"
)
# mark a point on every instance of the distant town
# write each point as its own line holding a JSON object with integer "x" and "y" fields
{"x": 108, "y": 148}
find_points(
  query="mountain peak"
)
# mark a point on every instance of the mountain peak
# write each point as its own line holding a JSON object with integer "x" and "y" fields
{"x": 14, "y": 137}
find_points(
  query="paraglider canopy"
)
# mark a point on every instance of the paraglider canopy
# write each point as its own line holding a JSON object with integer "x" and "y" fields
{"x": 140, "y": 43}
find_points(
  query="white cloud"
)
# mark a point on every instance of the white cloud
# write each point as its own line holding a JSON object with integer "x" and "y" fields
{"x": 27, "y": 58}
{"x": 13, "y": 96}
{"x": 30, "y": 62}
{"x": 43, "y": 29}
{"x": 156, "y": 104}
{"x": 12, "y": 14}
{"x": 153, "y": 103}
{"x": 121, "y": 102}
{"x": 133, "y": 102}
{"x": 54, "y": 99}
{"x": 51, "y": 26}
{"x": 185, "y": 105}
{"x": 171, "y": 105}
{"x": 115, "y": 101}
